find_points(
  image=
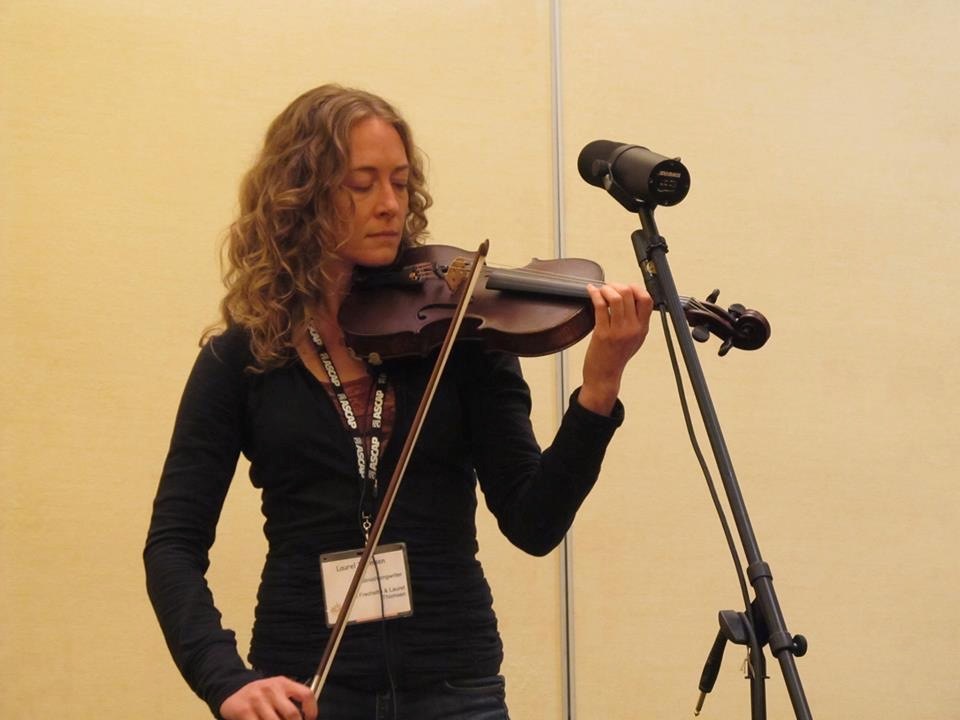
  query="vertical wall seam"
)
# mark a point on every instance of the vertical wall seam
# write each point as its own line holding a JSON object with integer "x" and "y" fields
{"x": 568, "y": 705}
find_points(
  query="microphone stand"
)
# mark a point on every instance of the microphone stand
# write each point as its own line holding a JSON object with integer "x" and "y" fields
{"x": 762, "y": 621}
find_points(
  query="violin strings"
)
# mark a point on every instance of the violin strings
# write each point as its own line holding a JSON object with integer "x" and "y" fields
{"x": 426, "y": 267}
{"x": 547, "y": 274}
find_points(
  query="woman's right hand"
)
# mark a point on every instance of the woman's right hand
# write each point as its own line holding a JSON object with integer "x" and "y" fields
{"x": 273, "y": 698}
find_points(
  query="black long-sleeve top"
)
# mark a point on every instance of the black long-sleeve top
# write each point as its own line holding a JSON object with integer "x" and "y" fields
{"x": 303, "y": 461}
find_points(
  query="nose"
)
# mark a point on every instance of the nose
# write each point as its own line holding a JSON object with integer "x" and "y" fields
{"x": 388, "y": 203}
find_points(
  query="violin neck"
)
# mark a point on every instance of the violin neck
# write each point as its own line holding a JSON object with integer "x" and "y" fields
{"x": 528, "y": 281}
{"x": 536, "y": 282}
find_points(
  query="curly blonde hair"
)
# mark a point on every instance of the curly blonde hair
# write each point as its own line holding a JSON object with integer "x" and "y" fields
{"x": 288, "y": 227}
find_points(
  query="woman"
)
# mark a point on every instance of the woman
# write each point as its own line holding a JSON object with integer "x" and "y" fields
{"x": 338, "y": 185}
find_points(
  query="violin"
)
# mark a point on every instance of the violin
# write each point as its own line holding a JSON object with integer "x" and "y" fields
{"x": 403, "y": 310}
{"x": 435, "y": 294}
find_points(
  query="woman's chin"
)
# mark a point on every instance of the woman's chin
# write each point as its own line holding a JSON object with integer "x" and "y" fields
{"x": 380, "y": 258}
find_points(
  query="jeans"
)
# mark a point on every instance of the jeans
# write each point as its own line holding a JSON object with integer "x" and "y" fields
{"x": 472, "y": 699}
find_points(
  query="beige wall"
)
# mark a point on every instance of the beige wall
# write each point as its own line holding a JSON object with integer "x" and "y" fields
{"x": 822, "y": 141}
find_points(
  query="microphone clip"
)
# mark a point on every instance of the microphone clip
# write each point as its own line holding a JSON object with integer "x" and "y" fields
{"x": 616, "y": 190}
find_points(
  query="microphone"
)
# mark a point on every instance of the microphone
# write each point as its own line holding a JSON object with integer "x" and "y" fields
{"x": 632, "y": 172}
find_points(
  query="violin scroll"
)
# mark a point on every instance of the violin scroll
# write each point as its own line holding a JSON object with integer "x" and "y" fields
{"x": 736, "y": 326}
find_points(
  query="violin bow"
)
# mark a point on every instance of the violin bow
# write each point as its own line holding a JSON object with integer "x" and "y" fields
{"x": 389, "y": 495}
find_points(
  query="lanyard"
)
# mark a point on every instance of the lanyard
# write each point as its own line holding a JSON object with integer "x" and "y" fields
{"x": 368, "y": 457}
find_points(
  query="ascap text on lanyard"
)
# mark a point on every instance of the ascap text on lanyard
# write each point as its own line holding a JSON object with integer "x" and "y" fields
{"x": 368, "y": 457}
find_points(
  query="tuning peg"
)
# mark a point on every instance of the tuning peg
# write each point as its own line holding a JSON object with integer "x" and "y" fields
{"x": 712, "y": 297}
{"x": 701, "y": 333}
{"x": 736, "y": 310}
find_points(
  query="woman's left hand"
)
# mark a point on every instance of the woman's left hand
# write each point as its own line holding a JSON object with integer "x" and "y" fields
{"x": 622, "y": 320}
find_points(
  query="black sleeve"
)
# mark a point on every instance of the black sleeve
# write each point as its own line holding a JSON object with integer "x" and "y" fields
{"x": 199, "y": 466}
{"x": 533, "y": 495}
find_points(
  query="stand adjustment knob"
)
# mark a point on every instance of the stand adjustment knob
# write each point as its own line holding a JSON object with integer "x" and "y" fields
{"x": 799, "y": 646}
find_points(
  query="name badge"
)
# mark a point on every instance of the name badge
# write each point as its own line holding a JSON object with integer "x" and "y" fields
{"x": 384, "y": 591}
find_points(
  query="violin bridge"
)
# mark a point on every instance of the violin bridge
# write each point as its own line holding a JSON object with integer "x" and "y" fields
{"x": 457, "y": 272}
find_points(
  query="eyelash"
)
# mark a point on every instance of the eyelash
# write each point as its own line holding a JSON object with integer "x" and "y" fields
{"x": 399, "y": 186}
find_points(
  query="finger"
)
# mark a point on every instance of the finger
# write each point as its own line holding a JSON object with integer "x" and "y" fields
{"x": 643, "y": 300}
{"x": 612, "y": 294}
{"x": 304, "y": 695}
{"x": 601, "y": 315}
{"x": 629, "y": 304}
{"x": 263, "y": 705}
{"x": 637, "y": 307}
{"x": 282, "y": 695}
{"x": 611, "y": 297}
